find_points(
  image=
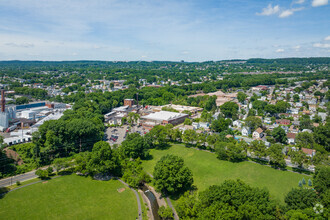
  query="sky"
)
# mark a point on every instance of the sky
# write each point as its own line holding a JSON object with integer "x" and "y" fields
{"x": 190, "y": 30}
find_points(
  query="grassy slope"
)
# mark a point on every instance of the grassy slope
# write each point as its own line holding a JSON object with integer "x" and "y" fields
{"x": 208, "y": 170}
{"x": 70, "y": 197}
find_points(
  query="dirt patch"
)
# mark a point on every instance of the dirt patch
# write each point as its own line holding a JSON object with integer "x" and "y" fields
{"x": 13, "y": 155}
{"x": 45, "y": 182}
{"x": 121, "y": 190}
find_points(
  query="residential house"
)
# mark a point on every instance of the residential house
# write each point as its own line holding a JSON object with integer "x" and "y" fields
{"x": 308, "y": 152}
{"x": 283, "y": 121}
{"x": 294, "y": 111}
{"x": 237, "y": 123}
{"x": 285, "y": 128}
{"x": 267, "y": 120}
{"x": 246, "y": 131}
{"x": 291, "y": 138}
{"x": 258, "y": 133}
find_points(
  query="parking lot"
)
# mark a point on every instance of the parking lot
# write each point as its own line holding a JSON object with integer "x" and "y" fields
{"x": 117, "y": 135}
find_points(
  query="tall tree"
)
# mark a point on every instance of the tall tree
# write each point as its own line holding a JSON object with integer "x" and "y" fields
{"x": 171, "y": 176}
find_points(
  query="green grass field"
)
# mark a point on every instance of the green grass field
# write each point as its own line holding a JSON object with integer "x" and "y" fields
{"x": 70, "y": 197}
{"x": 208, "y": 170}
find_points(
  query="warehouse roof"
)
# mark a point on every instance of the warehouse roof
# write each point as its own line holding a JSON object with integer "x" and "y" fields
{"x": 164, "y": 115}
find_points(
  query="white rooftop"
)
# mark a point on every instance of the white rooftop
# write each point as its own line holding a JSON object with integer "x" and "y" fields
{"x": 164, "y": 115}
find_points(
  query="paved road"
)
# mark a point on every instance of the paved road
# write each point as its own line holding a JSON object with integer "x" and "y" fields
{"x": 22, "y": 177}
{"x": 137, "y": 198}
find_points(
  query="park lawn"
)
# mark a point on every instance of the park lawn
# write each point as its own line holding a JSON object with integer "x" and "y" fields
{"x": 70, "y": 197}
{"x": 208, "y": 170}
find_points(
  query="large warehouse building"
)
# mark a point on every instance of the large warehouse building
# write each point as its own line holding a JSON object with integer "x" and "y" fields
{"x": 162, "y": 118}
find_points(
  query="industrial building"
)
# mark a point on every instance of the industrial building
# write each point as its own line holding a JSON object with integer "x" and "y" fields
{"x": 115, "y": 116}
{"x": 180, "y": 108}
{"x": 162, "y": 118}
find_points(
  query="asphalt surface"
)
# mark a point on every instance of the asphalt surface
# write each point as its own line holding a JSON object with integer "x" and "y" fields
{"x": 120, "y": 132}
{"x": 22, "y": 177}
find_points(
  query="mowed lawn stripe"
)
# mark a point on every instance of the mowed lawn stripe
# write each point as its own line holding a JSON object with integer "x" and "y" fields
{"x": 70, "y": 197}
{"x": 208, "y": 170}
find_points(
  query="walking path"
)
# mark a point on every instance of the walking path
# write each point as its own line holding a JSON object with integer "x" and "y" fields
{"x": 176, "y": 217}
{"x": 137, "y": 198}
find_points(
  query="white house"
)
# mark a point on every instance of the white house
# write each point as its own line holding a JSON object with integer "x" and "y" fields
{"x": 294, "y": 111}
{"x": 246, "y": 131}
{"x": 237, "y": 123}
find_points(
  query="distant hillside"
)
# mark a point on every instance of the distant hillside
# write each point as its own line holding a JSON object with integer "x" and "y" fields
{"x": 299, "y": 61}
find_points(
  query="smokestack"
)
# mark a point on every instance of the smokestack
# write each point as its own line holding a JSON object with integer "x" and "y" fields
{"x": 3, "y": 102}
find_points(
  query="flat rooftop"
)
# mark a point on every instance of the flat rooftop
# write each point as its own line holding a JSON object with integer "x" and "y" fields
{"x": 164, "y": 115}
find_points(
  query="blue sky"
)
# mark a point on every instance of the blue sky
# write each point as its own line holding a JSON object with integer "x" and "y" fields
{"x": 191, "y": 30}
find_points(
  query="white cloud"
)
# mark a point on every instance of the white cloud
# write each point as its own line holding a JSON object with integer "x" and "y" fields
{"x": 23, "y": 44}
{"x": 286, "y": 13}
{"x": 297, "y": 47}
{"x": 299, "y": 2}
{"x": 280, "y": 50}
{"x": 327, "y": 38}
{"x": 289, "y": 12}
{"x": 270, "y": 10}
{"x": 320, "y": 45}
{"x": 317, "y": 3}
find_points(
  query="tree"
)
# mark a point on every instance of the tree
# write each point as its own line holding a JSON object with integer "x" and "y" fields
{"x": 211, "y": 103}
{"x": 241, "y": 96}
{"x": 235, "y": 200}
{"x": 321, "y": 135}
{"x": 305, "y": 139}
{"x": 301, "y": 198}
{"x": 165, "y": 213}
{"x": 176, "y": 135}
{"x": 230, "y": 151}
{"x": 81, "y": 162}
{"x": 187, "y": 207}
{"x": 220, "y": 125}
{"x": 103, "y": 160}
{"x": 271, "y": 109}
{"x": 42, "y": 174}
{"x": 134, "y": 175}
{"x": 60, "y": 163}
{"x": 22, "y": 100}
{"x": 297, "y": 157}
{"x": 171, "y": 176}
{"x": 296, "y": 98}
{"x": 305, "y": 122}
{"x": 187, "y": 121}
{"x": 157, "y": 135}
{"x": 276, "y": 157}
{"x": 258, "y": 148}
{"x": 135, "y": 146}
{"x": 253, "y": 122}
{"x": 310, "y": 182}
{"x": 230, "y": 110}
{"x": 279, "y": 135}
{"x": 189, "y": 136}
{"x": 282, "y": 106}
{"x": 321, "y": 179}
